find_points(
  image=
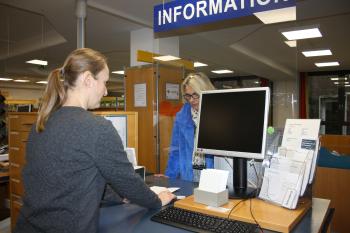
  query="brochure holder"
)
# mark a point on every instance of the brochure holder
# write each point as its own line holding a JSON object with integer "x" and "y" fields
{"x": 211, "y": 198}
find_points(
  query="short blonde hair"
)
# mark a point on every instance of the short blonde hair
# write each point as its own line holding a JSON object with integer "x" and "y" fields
{"x": 198, "y": 82}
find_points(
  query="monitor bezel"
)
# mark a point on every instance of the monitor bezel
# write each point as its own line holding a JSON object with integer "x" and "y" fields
{"x": 233, "y": 154}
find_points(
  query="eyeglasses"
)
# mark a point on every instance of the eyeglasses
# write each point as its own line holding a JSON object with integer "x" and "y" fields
{"x": 188, "y": 97}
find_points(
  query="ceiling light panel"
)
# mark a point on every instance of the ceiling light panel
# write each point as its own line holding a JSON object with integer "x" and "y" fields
{"x": 166, "y": 58}
{"x": 118, "y": 72}
{"x": 222, "y": 71}
{"x": 42, "y": 82}
{"x": 199, "y": 64}
{"x": 302, "y": 33}
{"x": 316, "y": 53}
{"x": 38, "y": 62}
{"x": 291, "y": 43}
{"x": 21, "y": 80}
{"x": 324, "y": 64}
{"x": 6, "y": 79}
{"x": 278, "y": 15}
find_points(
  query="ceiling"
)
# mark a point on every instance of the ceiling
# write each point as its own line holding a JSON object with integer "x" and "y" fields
{"x": 47, "y": 29}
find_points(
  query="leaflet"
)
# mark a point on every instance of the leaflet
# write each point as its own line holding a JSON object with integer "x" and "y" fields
{"x": 303, "y": 134}
{"x": 281, "y": 187}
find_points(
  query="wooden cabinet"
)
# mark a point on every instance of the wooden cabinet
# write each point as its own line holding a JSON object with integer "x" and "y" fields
{"x": 157, "y": 114}
{"x": 19, "y": 127}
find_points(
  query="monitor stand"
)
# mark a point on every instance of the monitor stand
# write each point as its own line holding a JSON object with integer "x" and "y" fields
{"x": 240, "y": 189}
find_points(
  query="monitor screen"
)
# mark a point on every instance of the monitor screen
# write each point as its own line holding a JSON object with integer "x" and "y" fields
{"x": 233, "y": 122}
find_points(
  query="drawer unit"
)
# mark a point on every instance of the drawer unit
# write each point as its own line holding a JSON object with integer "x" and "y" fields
{"x": 21, "y": 121}
{"x": 20, "y": 125}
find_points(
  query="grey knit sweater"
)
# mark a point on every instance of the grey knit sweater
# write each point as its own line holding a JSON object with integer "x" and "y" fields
{"x": 68, "y": 166}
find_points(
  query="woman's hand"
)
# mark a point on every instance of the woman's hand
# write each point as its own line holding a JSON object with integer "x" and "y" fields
{"x": 166, "y": 197}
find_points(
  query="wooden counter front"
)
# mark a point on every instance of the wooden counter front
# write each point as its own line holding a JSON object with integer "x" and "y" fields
{"x": 268, "y": 216}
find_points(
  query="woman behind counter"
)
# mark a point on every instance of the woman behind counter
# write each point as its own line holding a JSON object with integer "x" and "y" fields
{"x": 71, "y": 154}
{"x": 183, "y": 162}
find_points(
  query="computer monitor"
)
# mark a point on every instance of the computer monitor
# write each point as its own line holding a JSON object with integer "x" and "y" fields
{"x": 233, "y": 123}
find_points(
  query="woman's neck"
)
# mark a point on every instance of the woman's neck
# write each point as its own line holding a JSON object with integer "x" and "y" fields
{"x": 75, "y": 99}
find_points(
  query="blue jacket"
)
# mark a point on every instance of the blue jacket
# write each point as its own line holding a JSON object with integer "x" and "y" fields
{"x": 181, "y": 148}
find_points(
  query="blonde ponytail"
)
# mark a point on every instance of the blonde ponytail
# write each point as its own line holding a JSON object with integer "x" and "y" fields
{"x": 53, "y": 98}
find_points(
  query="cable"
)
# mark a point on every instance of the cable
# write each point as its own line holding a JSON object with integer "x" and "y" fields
{"x": 228, "y": 216}
{"x": 251, "y": 213}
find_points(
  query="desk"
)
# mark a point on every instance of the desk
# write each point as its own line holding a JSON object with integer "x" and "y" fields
{"x": 129, "y": 218}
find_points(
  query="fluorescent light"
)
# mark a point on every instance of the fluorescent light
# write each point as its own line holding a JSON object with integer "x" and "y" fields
{"x": 257, "y": 82}
{"x": 336, "y": 79}
{"x": 291, "y": 43}
{"x": 323, "y": 64}
{"x": 118, "y": 72}
{"x": 301, "y": 33}
{"x": 222, "y": 71}
{"x": 166, "y": 58}
{"x": 37, "y": 62}
{"x": 347, "y": 85}
{"x": 337, "y": 83}
{"x": 6, "y": 79}
{"x": 21, "y": 80}
{"x": 278, "y": 15}
{"x": 42, "y": 82}
{"x": 199, "y": 64}
{"x": 315, "y": 53}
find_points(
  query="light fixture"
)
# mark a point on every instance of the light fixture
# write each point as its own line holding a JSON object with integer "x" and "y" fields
{"x": 42, "y": 82}
{"x": 316, "y": 53}
{"x": 324, "y": 64}
{"x": 291, "y": 43}
{"x": 278, "y": 15}
{"x": 222, "y": 71}
{"x": 6, "y": 79}
{"x": 166, "y": 58}
{"x": 37, "y": 62}
{"x": 347, "y": 85}
{"x": 199, "y": 64}
{"x": 337, "y": 83}
{"x": 21, "y": 80}
{"x": 118, "y": 72}
{"x": 338, "y": 79}
{"x": 301, "y": 33}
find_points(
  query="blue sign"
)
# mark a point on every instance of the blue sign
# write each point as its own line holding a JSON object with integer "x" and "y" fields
{"x": 184, "y": 13}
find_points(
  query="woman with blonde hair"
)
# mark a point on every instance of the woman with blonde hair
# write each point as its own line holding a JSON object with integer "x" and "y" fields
{"x": 72, "y": 154}
{"x": 184, "y": 162}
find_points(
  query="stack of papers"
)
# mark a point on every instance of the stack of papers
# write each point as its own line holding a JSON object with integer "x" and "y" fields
{"x": 213, "y": 180}
{"x": 293, "y": 168}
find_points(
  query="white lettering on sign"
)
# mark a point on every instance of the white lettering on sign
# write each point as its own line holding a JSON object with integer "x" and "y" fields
{"x": 204, "y": 8}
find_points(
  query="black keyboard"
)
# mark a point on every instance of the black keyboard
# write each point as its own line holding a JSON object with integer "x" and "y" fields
{"x": 198, "y": 222}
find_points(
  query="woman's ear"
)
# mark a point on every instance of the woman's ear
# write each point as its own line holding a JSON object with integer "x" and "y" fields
{"x": 87, "y": 79}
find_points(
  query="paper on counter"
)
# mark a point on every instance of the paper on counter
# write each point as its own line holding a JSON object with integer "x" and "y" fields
{"x": 159, "y": 189}
{"x": 213, "y": 180}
